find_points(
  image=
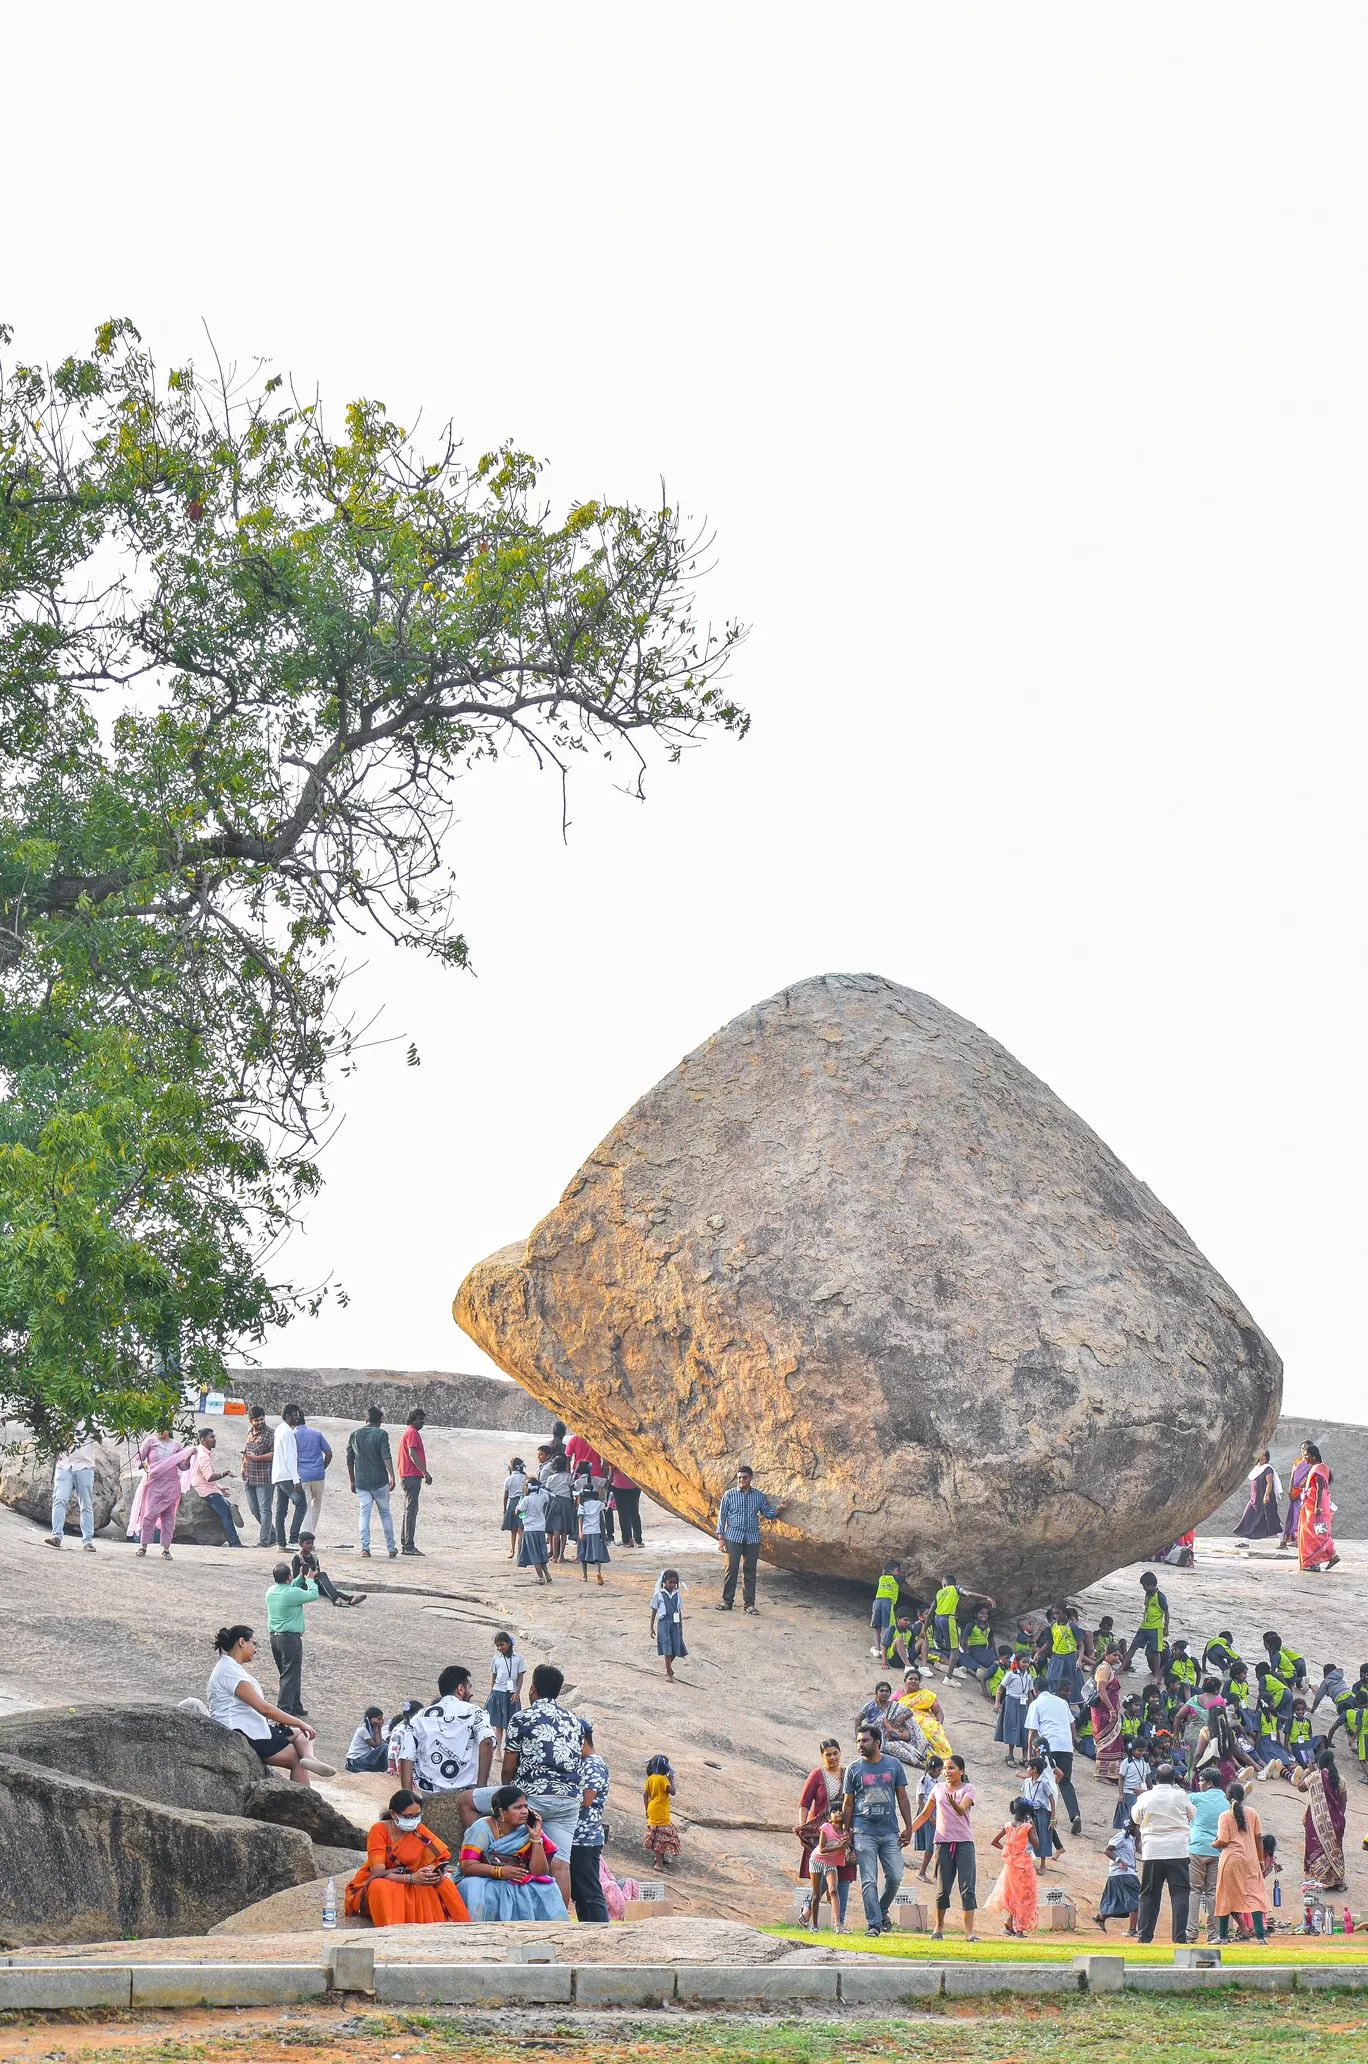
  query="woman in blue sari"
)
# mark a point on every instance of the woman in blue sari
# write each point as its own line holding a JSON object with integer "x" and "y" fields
{"x": 506, "y": 1864}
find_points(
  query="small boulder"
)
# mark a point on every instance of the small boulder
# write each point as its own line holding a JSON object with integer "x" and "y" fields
{"x": 300, "y": 1806}
{"x": 173, "y": 1759}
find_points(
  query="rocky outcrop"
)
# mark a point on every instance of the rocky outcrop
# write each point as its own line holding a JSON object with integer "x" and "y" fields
{"x": 26, "y": 1485}
{"x": 157, "y": 1753}
{"x": 448, "y": 1399}
{"x": 83, "y": 1863}
{"x": 854, "y": 1242}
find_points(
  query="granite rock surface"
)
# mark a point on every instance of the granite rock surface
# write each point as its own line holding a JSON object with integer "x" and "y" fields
{"x": 851, "y": 1240}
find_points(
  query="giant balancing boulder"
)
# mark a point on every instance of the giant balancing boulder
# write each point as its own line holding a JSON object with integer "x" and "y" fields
{"x": 852, "y": 1241}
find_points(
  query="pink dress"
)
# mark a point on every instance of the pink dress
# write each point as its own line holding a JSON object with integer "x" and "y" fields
{"x": 1015, "y": 1891}
{"x": 165, "y": 1462}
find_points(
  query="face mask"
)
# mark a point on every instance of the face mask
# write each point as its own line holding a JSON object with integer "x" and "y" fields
{"x": 407, "y": 1822}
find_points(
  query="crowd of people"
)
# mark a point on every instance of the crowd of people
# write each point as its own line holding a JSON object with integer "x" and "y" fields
{"x": 1179, "y": 1758}
{"x": 1179, "y": 1755}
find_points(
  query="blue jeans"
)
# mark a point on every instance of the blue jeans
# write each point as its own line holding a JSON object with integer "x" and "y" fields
{"x": 871, "y": 1850}
{"x": 258, "y": 1496}
{"x": 288, "y": 1495}
{"x": 223, "y": 1513}
{"x": 380, "y": 1500}
{"x": 64, "y": 1482}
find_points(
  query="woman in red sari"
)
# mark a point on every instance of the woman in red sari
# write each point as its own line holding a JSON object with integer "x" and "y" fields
{"x": 1109, "y": 1745}
{"x": 1324, "y": 1824}
{"x": 1315, "y": 1536}
{"x": 821, "y": 1800}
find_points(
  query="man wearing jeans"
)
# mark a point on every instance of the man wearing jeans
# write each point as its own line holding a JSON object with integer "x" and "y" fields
{"x": 413, "y": 1474}
{"x": 738, "y": 1531}
{"x": 875, "y": 1796}
{"x": 1164, "y": 1815}
{"x": 204, "y": 1476}
{"x": 285, "y": 1485}
{"x": 257, "y": 1458}
{"x": 74, "y": 1471}
{"x": 1208, "y": 1804}
{"x": 371, "y": 1474}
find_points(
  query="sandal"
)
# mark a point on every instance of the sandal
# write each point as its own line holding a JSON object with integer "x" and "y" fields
{"x": 166, "y": 1555}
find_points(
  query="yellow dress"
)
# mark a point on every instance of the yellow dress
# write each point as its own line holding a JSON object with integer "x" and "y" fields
{"x": 920, "y": 1703}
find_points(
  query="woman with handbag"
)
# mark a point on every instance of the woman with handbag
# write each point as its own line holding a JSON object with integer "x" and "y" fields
{"x": 820, "y": 1800}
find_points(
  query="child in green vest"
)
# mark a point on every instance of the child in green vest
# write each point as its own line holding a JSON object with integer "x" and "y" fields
{"x": 886, "y": 1593}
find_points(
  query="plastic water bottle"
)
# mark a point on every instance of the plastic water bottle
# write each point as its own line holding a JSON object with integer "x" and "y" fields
{"x": 1277, "y": 1893}
{"x": 330, "y": 1904}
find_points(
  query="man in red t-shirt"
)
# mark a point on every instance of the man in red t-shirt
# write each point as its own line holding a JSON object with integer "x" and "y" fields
{"x": 413, "y": 1474}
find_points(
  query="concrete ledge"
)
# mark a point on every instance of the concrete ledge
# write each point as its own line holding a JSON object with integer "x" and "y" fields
{"x": 1332, "y": 1977}
{"x": 624, "y": 1985}
{"x": 49, "y": 1987}
{"x": 1101, "y": 1973}
{"x": 863, "y": 1986}
{"x": 227, "y": 1985}
{"x": 470, "y": 1985}
{"x": 1250, "y": 1977}
{"x": 731, "y": 1983}
{"x": 963, "y": 1980}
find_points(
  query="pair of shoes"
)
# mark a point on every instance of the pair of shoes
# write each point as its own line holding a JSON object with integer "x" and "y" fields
{"x": 87, "y": 1547}
{"x": 366, "y": 1554}
{"x": 873, "y": 1931}
{"x": 412, "y": 1551}
{"x": 754, "y": 1611}
{"x": 1075, "y": 1827}
{"x": 721, "y": 1608}
{"x": 53, "y": 1540}
{"x": 393, "y": 1554}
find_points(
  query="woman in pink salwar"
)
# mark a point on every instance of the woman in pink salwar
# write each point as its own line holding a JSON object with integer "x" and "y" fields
{"x": 165, "y": 1461}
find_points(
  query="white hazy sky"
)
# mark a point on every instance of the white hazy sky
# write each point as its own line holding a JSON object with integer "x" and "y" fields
{"x": 1017, "y": 356}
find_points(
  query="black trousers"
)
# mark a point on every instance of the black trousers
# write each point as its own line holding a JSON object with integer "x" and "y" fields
{"x": 741, "y": 1555}
{"x": 629, "y": 1512}
{"x": 585, "y": 1889}
{"x": 327, "y": 1589}
{"x": 1154, "y": 1875}
{"x": 408, "y": 1525}
{"x": 1062, "y": 1760}
{"x": 288, "y": 1650}
{"x": 287, "y": 1494}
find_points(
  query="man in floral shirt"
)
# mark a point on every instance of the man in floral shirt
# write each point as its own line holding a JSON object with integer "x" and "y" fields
{"x": 585, "y": 1886}
{"x": 542, "y": 1757}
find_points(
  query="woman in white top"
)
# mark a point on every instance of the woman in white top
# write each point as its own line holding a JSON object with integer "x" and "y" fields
{"x": 236, "y": 1701}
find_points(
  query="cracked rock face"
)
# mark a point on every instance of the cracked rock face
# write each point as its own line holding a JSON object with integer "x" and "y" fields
{"x": 852, "y": 1241}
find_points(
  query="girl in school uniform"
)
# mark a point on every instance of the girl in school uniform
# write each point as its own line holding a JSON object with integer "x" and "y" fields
{"x": 532, "y": 1512}
{"x": 667, "y": 1619}
{"x": 506, "y": 1673}
{"x": 515, "y": 1483}
{"x": 592, "y": 1546}
{"x": 1013, "y": 1696}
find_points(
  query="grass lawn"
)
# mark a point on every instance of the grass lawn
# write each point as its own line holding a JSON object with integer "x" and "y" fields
{"x": 1049, "y": 1948}
{"x": 1320, "y": 2030}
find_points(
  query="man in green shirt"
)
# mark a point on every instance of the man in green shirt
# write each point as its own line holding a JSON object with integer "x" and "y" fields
{"x": 886, "y": 1595}
{"x": 285, "y": 1603}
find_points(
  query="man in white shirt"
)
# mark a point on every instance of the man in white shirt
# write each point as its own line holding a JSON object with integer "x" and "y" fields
{"x": 450, "y": 1742}
{"x": 285, "y": 1482}
{"x": 74, "y": 1470}
{"x": 1050, "y": 1732}
{"x": 1163, "y": 1815}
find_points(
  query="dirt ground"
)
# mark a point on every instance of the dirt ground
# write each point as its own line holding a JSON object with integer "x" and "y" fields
{"x": 741, "y": 1725}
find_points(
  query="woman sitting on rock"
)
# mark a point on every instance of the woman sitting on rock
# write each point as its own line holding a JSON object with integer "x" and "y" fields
{"x": 405, "y": 1875}
{"x": 506, "y": 1864}
{"x": 236, "y": 1701}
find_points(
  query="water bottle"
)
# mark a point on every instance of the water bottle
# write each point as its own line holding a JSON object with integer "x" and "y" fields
{"x": 330, "y": 1904}
{"x": 1277, "y": 1893}
{"x": 1348, "y": 1922}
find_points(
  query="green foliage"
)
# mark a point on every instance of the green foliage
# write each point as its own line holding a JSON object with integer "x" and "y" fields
{"x": 242, "y": 664}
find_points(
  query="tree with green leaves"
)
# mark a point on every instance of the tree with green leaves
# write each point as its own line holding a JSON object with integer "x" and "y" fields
{"x": 242, "y": 663}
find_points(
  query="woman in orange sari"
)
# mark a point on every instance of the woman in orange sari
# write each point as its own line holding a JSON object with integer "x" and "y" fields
{"x": 1315, "y": 1536}
{"x": 404, "y": 1876}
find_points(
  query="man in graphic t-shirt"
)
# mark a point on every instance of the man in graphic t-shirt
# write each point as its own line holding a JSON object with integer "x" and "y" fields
{"x": 875, "y": 1797}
